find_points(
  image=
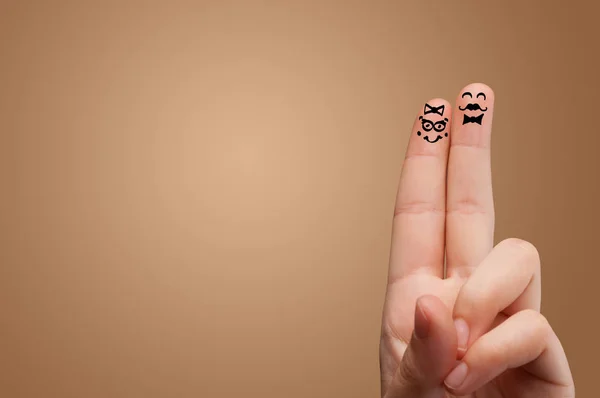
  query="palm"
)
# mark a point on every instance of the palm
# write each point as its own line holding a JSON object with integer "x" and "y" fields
{"x": 397, "y": 328}
{"x": 399, "y": 312}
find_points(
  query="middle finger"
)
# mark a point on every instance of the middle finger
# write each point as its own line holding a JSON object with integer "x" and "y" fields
{"x": 470, "y": 204}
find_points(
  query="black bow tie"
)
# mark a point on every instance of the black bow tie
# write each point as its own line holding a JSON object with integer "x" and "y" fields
{"x": 476, "y": 119}
{"x": 434, "y": 109}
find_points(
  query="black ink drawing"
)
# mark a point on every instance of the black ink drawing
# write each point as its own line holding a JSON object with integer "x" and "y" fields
{"x": 473, "y": 106}
{"x": 434, "y": 109}
{"x": 429, "y": 125}
{"x": 472, "y": 119}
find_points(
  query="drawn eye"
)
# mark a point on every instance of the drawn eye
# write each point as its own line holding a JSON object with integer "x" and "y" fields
{"x": 427, "y": 125}
{"x": 439, "y": 126}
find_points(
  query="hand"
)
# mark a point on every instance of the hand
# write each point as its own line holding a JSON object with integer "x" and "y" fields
{"x": 476, "y": 329}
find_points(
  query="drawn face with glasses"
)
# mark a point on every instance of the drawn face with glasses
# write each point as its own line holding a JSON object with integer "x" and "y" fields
{"x": 428, "y": 126}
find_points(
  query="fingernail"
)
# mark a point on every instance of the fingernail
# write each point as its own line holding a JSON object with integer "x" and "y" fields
{"x": 421, "y": 322}
{"x": 462, "y": 332}
{"x": 457, "y": 376}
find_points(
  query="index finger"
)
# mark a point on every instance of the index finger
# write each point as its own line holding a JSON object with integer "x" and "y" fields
{"x": 419, "y": 216}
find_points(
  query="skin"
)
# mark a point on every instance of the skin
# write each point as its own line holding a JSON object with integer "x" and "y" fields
{"x": 480, "y": 317}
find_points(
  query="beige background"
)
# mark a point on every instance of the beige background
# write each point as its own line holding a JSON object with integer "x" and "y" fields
{"x": 196, "y": 197}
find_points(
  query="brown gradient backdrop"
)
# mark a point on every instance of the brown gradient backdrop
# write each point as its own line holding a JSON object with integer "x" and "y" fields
{"x": 196, "y": 198}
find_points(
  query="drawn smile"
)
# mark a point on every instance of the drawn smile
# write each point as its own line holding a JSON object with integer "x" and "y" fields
{"x": 426, "y": 138}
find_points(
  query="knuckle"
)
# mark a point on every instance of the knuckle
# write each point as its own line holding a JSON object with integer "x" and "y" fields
{"x": 417, "y": 207}
{"x": 467, "y": 205}
{"x": 542, "y": 326}
{"x": 525, "y": 248}
{"x": 530, "y": 315}
{"x": 538, "y": 324}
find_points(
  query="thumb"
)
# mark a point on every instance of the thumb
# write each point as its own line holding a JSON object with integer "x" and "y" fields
{"x": 431, "y": 353}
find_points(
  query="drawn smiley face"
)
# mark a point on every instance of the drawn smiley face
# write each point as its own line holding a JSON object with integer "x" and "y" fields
{"x": 437, "y": 127}
{"x": 474, "y": 106}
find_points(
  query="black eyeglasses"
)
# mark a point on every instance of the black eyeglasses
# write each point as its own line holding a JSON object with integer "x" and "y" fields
{"x": 428, "y": 125}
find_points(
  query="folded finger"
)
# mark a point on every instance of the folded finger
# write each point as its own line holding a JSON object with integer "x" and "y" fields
{"x": 508, "y": 280}
{"x": 523, "y": 340}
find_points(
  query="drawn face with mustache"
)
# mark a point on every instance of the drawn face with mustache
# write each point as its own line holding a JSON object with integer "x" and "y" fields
{"x": 473, "y": 106}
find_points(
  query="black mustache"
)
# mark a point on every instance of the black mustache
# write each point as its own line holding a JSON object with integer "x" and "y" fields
{"x": 473, "y": 107}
